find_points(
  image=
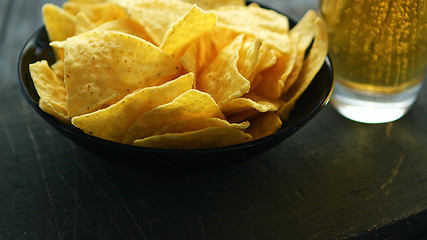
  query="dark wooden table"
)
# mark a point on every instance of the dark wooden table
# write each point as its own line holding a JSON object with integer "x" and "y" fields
{"x": 334, "y": 179}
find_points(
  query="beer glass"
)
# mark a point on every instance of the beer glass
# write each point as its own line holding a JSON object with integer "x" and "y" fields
{"x": 379, "y": 52}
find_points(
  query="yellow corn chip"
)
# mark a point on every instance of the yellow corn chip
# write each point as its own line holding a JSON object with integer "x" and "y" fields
{"x": 47, "y": 108}
{"x": 58, "y": 69}
{"x": 188, "y": 28}
{"x": 301, "y": 36}
{"x": 242, "y": 116}
{"x": 191, "y": 104}
{"x": 205, "y": 138}
{"x": 87, "y": 1}
{"x": 266, "y": 59}
{"x": 264, "y": 124}
{"x": 50, "y": 90}
{"x": 59, "y": 23}
{"x": 270, "y": 26}
{"x": 222, "y": 36}
{"x": 249, "y": 102}
{"x": 125, "y": 25}
{"x": 248, "y": 56}
{"x": 194, "y": 124}
{"x": 273, "y": 79}
{"x": 305, "y": 29}
{"x": 200, "y": 53}
{"x": 211, "y": 4}
{"x": 102, "y": 67}
{"x": 112, "y": 122}
{"x": 98, "y": 13}
{"x": 155, "y": 15}
{"x": 221, "y": 79}
{"x": 312, "y": 65}
{"x": 83, "y": 23}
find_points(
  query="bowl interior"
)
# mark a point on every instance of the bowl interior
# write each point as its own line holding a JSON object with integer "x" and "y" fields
{"x": 309, "y": 104}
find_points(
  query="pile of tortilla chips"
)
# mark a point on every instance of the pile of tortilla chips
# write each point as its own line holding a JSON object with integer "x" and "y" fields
{"x": 176, "y": 74}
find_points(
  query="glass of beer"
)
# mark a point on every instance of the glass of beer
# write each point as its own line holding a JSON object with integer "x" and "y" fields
{"x": 379, "y": 52}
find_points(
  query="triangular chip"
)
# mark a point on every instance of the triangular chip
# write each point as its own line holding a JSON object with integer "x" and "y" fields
{"x": 266, "y": 59}
{"x": 59, "y": 23}
{"x": 194, "y": 124}
{"x": 248, "y": 56}
{"x": 88, "y": 1}
{"x": 58, "y": 69}
{"x": 270, "y": 26}
{"x": 311, "y": 66}
{"x": 50, "y": 90}
{"x": 221, "y": 36}
{"x": 274, "y": 78}
{"x": 242, "y": 116}
{"x": 221, "y": 79}
{"x": 112, "y": 122}
{"x": 301, "y": 36}
{"x": 98, "y": 13}
{"x": 212, "y": 4}
{"x": 155, "y": 15}
{"x": 83, "y": 23}
{"x": 47, "y": 108}
{"x": 264, "y": 124}
{"x": 250, "y": 102}
{"x": 191, "y": 104}
{"x": 102, "y": 67}
{"x": 125, "y": 25}
{"x": 199, "y": 54}
{"x": 205, "y": 138}
{"x": 188, "y": 28}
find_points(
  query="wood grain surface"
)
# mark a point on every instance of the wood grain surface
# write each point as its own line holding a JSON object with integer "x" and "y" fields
{"x": 333, "y": 179}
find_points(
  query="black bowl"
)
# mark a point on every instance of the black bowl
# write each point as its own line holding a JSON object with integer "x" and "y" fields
{"x": 309, "y": 104}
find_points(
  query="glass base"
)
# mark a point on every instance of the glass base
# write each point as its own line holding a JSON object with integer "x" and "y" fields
{"x": 369, "y": 107}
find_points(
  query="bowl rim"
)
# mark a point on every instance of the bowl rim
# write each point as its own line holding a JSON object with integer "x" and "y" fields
{"x": 277, "y": 136}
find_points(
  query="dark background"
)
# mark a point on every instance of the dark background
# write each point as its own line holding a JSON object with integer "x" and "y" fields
{"x": 333, "y": 179}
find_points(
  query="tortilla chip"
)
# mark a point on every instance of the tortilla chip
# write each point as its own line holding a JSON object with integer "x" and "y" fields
{"x": 211, "y": 137}
{"x": 50, "y": 90}
{"x": 188, "y": 28}
{"x": 221, "y": 79}
{"x": 191, "y": 104}
{"x": 125, "y": 25}
{"x": 58, "y": 69}
{"x": 250, "y": 102}
{"x": 98, "y": 13}
{"x": 270, "y": 26}
{"x": 112, "y": 122}
{"x": 155, "y": 15}
{"x": 212, "y": 4}
{"x": 87, "y": 1}
{"x": 266, "y": 59}
{"x": 312, "y": 65}
{"x": 102, "y": 67}
{"x": 301, "y": 36}
{"x": 199, "y": 54}
{"x": 58, "y": 22}
{"x": 248, "y": 56}
{"x": 264, "y": 124}
{"x": 274, "y": 78}
{"x": 83, "y": 23}
{"x": 194, "y": 124}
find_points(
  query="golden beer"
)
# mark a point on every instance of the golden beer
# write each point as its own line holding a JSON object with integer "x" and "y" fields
{"x": 377, "y": 45}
